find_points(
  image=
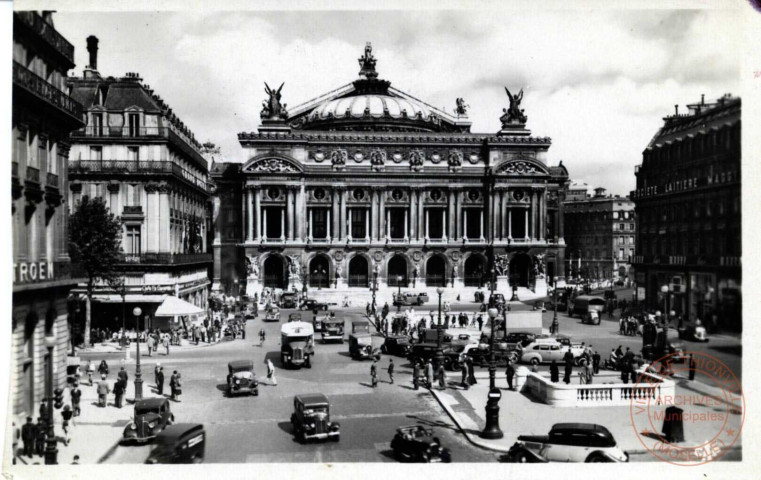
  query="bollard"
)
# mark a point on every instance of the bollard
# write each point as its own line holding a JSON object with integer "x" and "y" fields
{"x": 673, "y": 428}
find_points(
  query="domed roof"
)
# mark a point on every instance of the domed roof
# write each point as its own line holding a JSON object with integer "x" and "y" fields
{"x": 375, "y": 106}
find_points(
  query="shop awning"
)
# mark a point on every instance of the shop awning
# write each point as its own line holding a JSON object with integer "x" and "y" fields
{"x": 173, "y": 306}
{"x": 129, "y": 298}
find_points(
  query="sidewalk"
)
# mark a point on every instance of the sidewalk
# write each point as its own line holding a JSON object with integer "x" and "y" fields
{"x": 113, "y": 347}
{"x": 521, "y": 415}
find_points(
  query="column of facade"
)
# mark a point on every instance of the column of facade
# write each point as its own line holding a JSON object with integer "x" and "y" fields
{"x": 422, "y": 228}
{"x": 450, "y": 231}
{"x": 264, "y": 224}
{"x": 348, "y": 223}
{"x": 217, "y": 202}
{"x": 504, "y": 214}
{"x": 561, "y": 222}
{"x": 243, "y": 214}
{"x": 532, "y": 233}
{"x": 343, "y": 214}
{"x": 482, "y": 223}
{"x": 542, "y": 214}
{"x": 367, "y": 225}
{"x": 414, "y": 192}
{"x": 164, "y": 218}
{"x": 258, "y": 210}
{"x": 509, "y": 223}
{"x": 494, "y": 224}
{"x": 427, "y": 213}
{"x": 406, "y": 224}
{"x": 459, "y": 231}
{"x": 250, "y": 214}
{"x": 464, "y": 222}
{"x": 374, "y": 213}
{"x": 336, "y": 217}
{"x": 282, "y": 225}
{"x": 310, "y": 225}
{"x": 290, "y": 207}
{"x": 152, "y": 217}
{"x": 300, "y": 212}
{"x": 382, "y": 215}
{"x": 525, "y": 223}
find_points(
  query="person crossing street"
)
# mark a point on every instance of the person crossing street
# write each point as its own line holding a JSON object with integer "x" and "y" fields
{"x": 391, "y": 370}
{"x": 509, "y": 374}
{"x": 374, "y": 374}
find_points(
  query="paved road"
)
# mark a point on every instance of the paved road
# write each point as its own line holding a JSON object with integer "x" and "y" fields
{"x": 257, "y": 429}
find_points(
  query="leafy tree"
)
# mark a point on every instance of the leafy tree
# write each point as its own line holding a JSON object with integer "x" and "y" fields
{"x": 95, "y": 243}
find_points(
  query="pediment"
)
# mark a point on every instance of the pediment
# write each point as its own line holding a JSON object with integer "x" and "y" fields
{"x": 521, "y": 166}
{"x": 272, "y": 163}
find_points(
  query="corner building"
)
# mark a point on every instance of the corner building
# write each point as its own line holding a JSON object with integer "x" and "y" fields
{"x": 368, "y": 179}
{"x": 688, "y": 207}
{"x": 138, "y": 155}
{"x": 43, "y": 115}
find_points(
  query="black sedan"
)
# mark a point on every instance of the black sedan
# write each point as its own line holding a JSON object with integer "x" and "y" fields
{"x": 417, "y": 444}
{"x": 398, "y": 345}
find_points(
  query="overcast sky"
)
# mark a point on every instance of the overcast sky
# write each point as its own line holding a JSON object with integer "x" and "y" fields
{"x": 597, "y": 83}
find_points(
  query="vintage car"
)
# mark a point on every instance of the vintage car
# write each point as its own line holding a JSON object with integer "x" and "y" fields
{"x": 294, "y": 317}
{"x": 398, "y": 345}
{"x": 241, "y": 378}
{"x": 592, "y": 317}
{"x": 289, "y": 300}
{"x": 497, "y": 299}
{"x": 657, "y": 344}
{"x": 152, "y": 415}
{"x": 417, "y": 444}
{"x": 410, "y": 298}
{"x": 311, "y": 418}
{"x": 584, "y": 303}
{"x": 73, "y": 374}
{"x": 568, "y": 442}
{"x": 545, "y": 350}
{"x": 296, "y": 344}
{"x": 524, "y": 338}
{"x": 312, "y": 304}
{"x": 481, "y": 354}
{"x": 360, "y": 326}
{"x": 179, "y": 443}
{"x": 332, "y": 329}
{"x": 693, "y": 333}
{"x": 361, "y": 347}
{"x": 272, "y": 315}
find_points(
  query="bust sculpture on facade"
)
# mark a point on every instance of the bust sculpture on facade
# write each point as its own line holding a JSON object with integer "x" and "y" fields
{"x": 514, "y": 114}
{"x": 273, "y": 109}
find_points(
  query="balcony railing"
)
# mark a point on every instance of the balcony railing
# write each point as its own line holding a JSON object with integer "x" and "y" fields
{"x": 32, "y": 174}
{"x": 132, "y": 210}
{"x": 36, "y": 23}
{"x": 51, "y": 179}
{"x": 120, "y": 132}
{"x": 39, "y": 87}
{"x": 134, "y": 166}
{"x": 166, "y": 258}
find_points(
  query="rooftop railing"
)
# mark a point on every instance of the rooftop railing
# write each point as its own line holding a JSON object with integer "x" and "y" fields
{"x": 37, "y": 24}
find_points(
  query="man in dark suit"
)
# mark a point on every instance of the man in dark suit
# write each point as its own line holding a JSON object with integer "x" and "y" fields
{"x": 28, "y": 436}
{"x": 510, "y": 373}
{"x": 160, "y": 380}
{"x": 568, "y": 359}
{"x": 40, "y": 434}
{"x": 122, "y": 375}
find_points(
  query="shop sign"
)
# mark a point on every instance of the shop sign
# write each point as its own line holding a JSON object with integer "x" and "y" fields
{"x": 31, "y": 272}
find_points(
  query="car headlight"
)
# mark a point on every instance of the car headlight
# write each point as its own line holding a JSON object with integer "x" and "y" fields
{"x": 311, "y": 425}
{"x": 132, "y": 426}
{"x": 237, "y": 382}
{"x": 151, "y": 424}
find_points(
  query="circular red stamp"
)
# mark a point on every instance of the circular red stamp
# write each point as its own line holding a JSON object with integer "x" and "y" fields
{"x": 683, "y": 421}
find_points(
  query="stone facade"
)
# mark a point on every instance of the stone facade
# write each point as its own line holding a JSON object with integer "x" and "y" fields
{"x": 369, "y": 180}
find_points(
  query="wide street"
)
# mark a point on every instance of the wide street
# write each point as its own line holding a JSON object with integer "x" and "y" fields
{"x": 257, "y": 429}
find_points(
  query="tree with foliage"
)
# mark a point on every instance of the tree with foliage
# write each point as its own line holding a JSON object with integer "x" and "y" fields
{"x": 95, "y": 243}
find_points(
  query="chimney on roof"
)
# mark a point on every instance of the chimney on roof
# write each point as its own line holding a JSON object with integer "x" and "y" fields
{"x": 676, "y": 110}
{"x": 599, "y": 192}
{"x": 702, "y": 98}
{"x": 92, "y": 49}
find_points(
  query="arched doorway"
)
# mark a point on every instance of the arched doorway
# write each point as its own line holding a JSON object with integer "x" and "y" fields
{"x": 358, "y": 272}
{"x": 474, "y": 271}
{"x": 274, "y": 272}
{"x": 319, "y": 272}
{"x": 520, "y": 270}
{"x": 436, "y": 272}
{"x": 397, "y": 271}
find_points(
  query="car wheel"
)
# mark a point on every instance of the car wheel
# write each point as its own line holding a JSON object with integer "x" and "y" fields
{"x": 534, "y": 361}
{"x": 521, "y": 457}
{"x": 337, "y": 438}
{"x": 425, "y": 458}
{"x": 598, "y": 458}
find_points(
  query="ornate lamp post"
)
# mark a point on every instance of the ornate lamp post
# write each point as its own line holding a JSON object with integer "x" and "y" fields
{"x": 51, "y": 445}
{"x": 305, "y": 280}
{"x": 374, "y": 286}
{"x": 399, "y": 294}
{"x": 665, "y": 292}
{"x": 491, "y": 430}
{"x": 138, "y": 374}
{"x": 555, "y": 323}
{"x": 439, "y": 355}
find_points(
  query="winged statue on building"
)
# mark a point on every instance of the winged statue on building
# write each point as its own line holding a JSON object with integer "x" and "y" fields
{"x": 514, "y": 114}
{"x": 272, "y": 108}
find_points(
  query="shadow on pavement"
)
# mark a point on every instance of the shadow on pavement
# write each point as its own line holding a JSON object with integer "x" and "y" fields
{"x": 731, "y": 349}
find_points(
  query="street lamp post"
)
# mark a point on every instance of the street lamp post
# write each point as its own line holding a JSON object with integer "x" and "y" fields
{"x": 439, "y": 356}
{"x": 491, "y": 430}
{"x": 138, "y": 374}
{"x": 374, "y": 287}
{"x": 555, "y": 323}
{"x": 305, "y": 280}
{"x": 665, "y": 292}
{"x": 399, "y": 294}
{"x": 51, "y": 445}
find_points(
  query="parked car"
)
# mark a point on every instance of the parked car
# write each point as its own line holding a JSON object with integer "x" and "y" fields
{"x": 584, "y": 303}
{"x": 416, "y": 443}
{"x": 318, "y": 321}
{"x": 272, "y": 315}
{"x": 311, "y": 418}
{"x": 180, "y": 443}
{"x": 332, "y": 329}
{"x": 289, "y": 300}
{"x": 151, "y": 417}
{"x": 524, "y": 338}
{"x": 312, "y": 304}
{"x": 294, "y": 317}
{"x": 241, "y": 378}
{"x": 361, "y": 347}
{"x": 481, "y": 354}
{"x": 568, "y": 442}
{"x": 545, "y": 350}
{"x": 410, "y": 298}
{"x": 398, "y": 345}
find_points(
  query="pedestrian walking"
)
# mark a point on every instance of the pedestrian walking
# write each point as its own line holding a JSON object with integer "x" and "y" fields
{"x": 75, "y": 461}
{"x": 166, "y": 344}
{"x": 156, "y": 373}
{"x": 471, "y": 373}
{"x": 480, "y": 321}
{"x": 40, "y": 433}
{"x": 428, "y": 373}
{"x": 76, "y": 398}
{"x": 103, "y": 391}
{"x": 374, "y": 374}
{"x": 160, "y": 381}
{"x": 510, "y": 373}
{"x": 29, "y": 436}
{"x": 596, "y": 362}
{"x": 464, "y": 372}
{"x": 262, "y": 335}
{"x": 554, "y": 372}
{"x": 391, "y": 370}
{"x": 243, "y": 331}
{"x": 271, "y": 373}
{"x": 66, "y": 413}
{"x": 103, "y": 368}
{"x": 175, "y": 385}
{"x": 441, "y": 374}
{"x": 415, "y": 375}
{"x": 633, "y": 372}
{"x": 568, "y": 359}
{"x": 691, "y": 365}
{"x": 119, "y": 387}
{"x": 149, "y": 344}
{"x": 588, "y": 373}
{"x": 123, "y": 375}
{"x": 90, "y": 370}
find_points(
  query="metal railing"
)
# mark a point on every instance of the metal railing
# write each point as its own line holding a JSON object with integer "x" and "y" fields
{"x": 435, "y": 280}
{"x": 132, "y": 210}
{"x": 32, "y": 174}
{"x": 359, "y": 281}
{"x": 474, "y": 280}
{"x": 166, "y": 258}
{"x": 120, "y": 132}
{"x": 40, "y": 87}
{"x": 35, "y": 22}
{"x": 135, "y": 166}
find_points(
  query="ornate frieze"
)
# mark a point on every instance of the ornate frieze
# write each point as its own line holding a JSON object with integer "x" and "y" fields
{"x": 454, "y": 160}
{"x": 519, "y": 168}
{"x": 272, "y": 165}
{"x": 417, "y": 158}
{"x": 338, "y": 158}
